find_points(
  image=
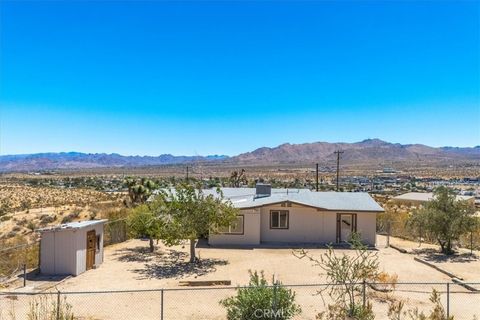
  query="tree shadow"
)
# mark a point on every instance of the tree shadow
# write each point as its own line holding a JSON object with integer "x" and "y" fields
{"x": 433, "y": 255}
{"x": 168, "y": 263}
{"x": 136, "y": 254}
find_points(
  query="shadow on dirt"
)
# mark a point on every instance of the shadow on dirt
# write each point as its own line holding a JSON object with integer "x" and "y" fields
{"x": 433, "y": 255}
{"x": 167, "y": 263}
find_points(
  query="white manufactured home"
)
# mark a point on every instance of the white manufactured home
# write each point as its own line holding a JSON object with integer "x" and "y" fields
{"x": 297, "y": 216}
{"x": 71, "y": 248}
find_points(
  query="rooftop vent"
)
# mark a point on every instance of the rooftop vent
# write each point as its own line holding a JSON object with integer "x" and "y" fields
{"x": 263, "y": 190}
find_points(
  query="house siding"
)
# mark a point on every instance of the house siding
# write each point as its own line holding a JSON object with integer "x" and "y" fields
{"x": 306, "y": 225}
{"x": 251, "y": 231}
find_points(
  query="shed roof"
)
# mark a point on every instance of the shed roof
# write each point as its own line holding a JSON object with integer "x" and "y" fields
{"x": 72, "y": 225}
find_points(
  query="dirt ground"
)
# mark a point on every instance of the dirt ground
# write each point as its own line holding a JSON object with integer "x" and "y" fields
{"x": 128, "y": 266}
{"x": 463, "y": 264}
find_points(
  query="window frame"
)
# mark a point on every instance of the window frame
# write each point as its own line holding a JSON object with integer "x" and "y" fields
{"x": 236, "y": 233}
{"x": 279, "y": 212}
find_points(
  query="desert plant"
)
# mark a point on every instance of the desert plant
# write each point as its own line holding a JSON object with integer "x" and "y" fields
{"x": 346, "y": 275}
{"x": 261, "y": 301}
{"x": 397, "y": 311}
{"x": 31, "y": 225}
{"x": 338, "y": 312}
{"x": 445, "y": 218}
{"x": 46, "y": 307}
{"x": 46, "y": 219}
{"x": 71, "y": 216}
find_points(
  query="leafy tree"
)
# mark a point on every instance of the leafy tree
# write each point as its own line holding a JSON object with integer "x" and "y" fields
{"x": 444, "y": 218}
{"x": 188, "y": 213}
{"x": 144, "y": 222}
{"x": 261, "y": 301}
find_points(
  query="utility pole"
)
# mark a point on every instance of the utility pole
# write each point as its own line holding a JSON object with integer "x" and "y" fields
{"x": 338, "y": 153}
{"x": 187, "y": 173}
{"x": 317, "y": 177}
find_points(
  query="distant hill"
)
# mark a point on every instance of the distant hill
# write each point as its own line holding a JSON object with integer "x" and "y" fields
{"x": 78, "y": 160}
{"x": 370, "y": 152}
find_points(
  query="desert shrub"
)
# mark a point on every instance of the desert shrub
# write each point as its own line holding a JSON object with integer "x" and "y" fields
{"x": 10, "y": 234}
{"x": 396, "y": 310}
{"x": 31, "y": 225}
{"x": 346, "y": 277}
{"x": 22, "y": 222}
{"x": 46, "y": 219}
{"x": 15, "y": 253}
{"x": 261, "y": 301}
{"x": 45, "y": 307}
{"x": 16, "y": 229}
{"x": 337, "y": 312}
{"x": 115, "y": 231}
{"x": 5, "y": 218}
{"x": 71, "y": 216}
{"x": 4, "y": 209}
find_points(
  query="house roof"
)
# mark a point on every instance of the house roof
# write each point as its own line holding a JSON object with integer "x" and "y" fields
{"x": 72, "y": 225}
{"x": 244, "y": 198}
{"x": 424, "y": 197}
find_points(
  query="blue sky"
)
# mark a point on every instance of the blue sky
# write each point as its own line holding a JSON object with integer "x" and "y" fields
{"x": 227, "y": 77}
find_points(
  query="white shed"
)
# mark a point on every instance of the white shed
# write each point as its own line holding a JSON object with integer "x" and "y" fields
{"x": 71, "y": 248}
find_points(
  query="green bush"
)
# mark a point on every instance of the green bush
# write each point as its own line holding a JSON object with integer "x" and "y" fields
{"x": 261, "y": 301}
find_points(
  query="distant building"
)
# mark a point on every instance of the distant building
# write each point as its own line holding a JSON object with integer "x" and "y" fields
{"x": 419, "y": 198}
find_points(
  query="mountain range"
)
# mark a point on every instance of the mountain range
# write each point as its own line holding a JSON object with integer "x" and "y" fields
{"x": 370, "y": 152}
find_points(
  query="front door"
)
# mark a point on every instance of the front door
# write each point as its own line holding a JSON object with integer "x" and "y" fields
{"x": 91, "y": 246}
{"x": 346, "y": 224}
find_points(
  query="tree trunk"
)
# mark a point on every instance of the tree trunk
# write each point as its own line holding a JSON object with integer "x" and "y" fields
{"x": 192, "y": 251}
{"x": 152, "y": 248}
{"x": 449, "y": 248}
{"x": 442, "y": 246}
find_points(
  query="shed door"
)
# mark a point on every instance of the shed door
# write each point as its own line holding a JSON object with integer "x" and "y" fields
{"x": 91, "y": 245}
{"x": 346, "y": 224}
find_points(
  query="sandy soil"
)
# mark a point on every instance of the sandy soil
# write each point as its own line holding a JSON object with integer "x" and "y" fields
{"x": 462, "y": 264}
{"x": 129, "y": 266}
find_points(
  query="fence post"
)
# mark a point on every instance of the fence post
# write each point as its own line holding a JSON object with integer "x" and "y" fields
{"x": 364, "y": 293}
{"x": 58, "y": 305}
{"x": 161, "y": 304}
{"x": 24, "y": 275}
{"x": 274, "y": 300}
{"x": 448, "y": 300}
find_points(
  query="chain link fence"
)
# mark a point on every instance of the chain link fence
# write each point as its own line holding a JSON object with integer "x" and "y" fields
{"x": 204, "y": 303}
{"x": 115, "y": 232}
{"x": 18, "y": 259}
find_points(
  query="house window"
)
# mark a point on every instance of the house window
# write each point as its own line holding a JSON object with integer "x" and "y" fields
{"x": 235, "y": 227}
{"x": 279, "y": 219}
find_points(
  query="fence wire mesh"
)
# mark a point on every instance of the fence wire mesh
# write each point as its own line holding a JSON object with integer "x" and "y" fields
{"x": 205, "y": 303}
